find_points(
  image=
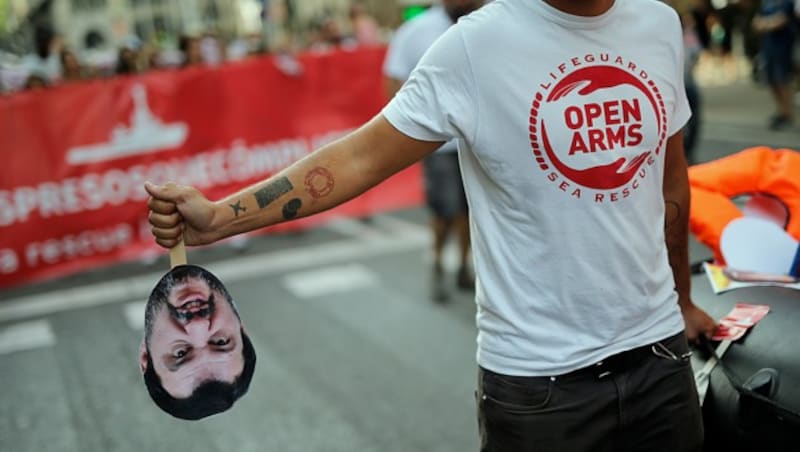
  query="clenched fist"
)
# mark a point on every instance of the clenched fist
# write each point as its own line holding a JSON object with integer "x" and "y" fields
{"x": 180, "y": 211}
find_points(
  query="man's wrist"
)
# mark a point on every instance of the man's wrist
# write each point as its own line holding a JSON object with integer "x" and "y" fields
{"x": 220, "y": 223}
{"x": 685, "y": 301}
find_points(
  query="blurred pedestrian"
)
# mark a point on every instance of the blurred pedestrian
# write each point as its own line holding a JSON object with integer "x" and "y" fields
{"x": 212, "y": 50}
{"x": 751, "y": 40}
{"x": 444, "y": 189}
{"x": 149, "y": 57}
{"x": 726, "y": 15}
{"x": 328, "y": 35}
{"x": 191, "y": 50}
{"x": 700, "y": 10}
{"x": 692, "y": 49}
{"x": 71, "y": 68}
{"x": 775, "y": 23}
{"x": 44, "y": 61}
{"x": 127, "y": 61}
{"x": 35, "y": 82}
{"x": 365, "y": 27}
{"x": 568, "y": 117}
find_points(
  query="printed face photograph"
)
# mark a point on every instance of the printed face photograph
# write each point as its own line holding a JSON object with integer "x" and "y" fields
{"x": 195, "y": 355}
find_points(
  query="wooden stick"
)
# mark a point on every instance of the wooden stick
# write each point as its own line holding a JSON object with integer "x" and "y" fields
{"x": 177, "y": 255}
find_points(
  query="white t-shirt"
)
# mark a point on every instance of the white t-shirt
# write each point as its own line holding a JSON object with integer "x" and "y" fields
{"x": 562, "y": 123}
{"x": 409, "y": 44}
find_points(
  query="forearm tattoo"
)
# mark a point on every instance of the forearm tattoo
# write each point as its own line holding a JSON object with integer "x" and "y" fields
{"x": 238, "y": 207}
{"x": 319, "y": 183}
{"x": 273, "y": 191}
{"x": 290, "y": 208}
{"x": 672, "y": 213}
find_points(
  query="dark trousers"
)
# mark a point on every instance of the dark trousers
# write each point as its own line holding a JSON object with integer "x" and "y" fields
{"x": 642, "y": 400}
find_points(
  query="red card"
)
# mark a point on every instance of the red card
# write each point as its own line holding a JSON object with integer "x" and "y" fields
{"x": 727, "y": 332}
{"x": 743, "y": 316}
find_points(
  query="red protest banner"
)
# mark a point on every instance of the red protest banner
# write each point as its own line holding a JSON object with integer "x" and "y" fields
{"x": 76, "y": 156}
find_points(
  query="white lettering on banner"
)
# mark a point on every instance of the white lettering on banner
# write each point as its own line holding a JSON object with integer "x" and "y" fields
{"x": 118, "y": 186}
{"x": 71, "y": 246}
{"x": 74, "y": 246}
{"x": 9, "y": 262}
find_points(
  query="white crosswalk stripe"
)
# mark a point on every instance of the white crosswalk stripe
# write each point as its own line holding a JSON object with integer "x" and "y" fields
{"x": 26, "y": 336}
{"x": 334, "y": 279}
{"x": 134, "y": 314}
{"x": 403, "y": 236}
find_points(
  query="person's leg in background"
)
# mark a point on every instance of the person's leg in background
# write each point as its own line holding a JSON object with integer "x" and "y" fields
{"x": 465, "y": 278}
{"x": 436, "y": 194}
{"x": 779, "y": 68}
{"x": 784, "y": 100}
{"x": 441, "y": 230}
{"x": 446, "y": 199}
{"x": 457, "y": 200}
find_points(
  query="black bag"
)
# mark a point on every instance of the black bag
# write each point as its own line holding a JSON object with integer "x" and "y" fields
{"x": 759, "y": 413}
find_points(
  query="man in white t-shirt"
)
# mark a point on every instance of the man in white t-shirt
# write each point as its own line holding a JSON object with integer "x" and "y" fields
{"x": 444, "y": 189}
{"x": 568, "y": 117}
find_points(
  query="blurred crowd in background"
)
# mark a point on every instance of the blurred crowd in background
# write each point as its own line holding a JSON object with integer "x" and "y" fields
{"x": 43, "y": 49}
{"x": 48, "y": 42}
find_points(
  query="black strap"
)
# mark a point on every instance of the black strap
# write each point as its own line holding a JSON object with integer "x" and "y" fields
{"x": 782, "y": 411}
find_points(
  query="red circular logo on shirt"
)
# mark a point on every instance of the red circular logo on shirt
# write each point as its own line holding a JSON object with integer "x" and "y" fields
{"x": 597, "y": 126}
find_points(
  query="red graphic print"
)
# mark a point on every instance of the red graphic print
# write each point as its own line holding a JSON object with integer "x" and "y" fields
{"x": 605, "y": 113}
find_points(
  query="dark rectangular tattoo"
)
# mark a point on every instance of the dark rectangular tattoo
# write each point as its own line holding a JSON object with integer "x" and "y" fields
{"x": 273, "y": 191}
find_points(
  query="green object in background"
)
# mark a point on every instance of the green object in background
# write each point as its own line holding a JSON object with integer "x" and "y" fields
{"x": 3, "y": 16}
{"x": 409, "y": 12}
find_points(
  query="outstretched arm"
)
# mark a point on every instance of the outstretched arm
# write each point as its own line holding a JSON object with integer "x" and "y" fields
{"x": 676, "y": 231}
{"x": 324, "y": 179}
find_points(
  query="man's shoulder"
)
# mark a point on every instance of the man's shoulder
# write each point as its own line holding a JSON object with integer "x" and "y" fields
{"x": 485, "y": 22}
{"x": 653, "y": 9}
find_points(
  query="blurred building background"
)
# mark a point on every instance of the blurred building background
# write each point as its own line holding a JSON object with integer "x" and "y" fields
{"x": 89, "y": 24}
{"x": 95, "y": 32}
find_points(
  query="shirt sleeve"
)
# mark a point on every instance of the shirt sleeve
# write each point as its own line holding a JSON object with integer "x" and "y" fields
{"x": 438, "y": 101}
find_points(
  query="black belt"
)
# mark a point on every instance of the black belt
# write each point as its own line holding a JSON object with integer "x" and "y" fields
{"x": 614, "y": 364}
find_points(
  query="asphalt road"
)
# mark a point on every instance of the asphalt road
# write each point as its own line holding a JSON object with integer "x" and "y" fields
{"x": 352, "y": 355}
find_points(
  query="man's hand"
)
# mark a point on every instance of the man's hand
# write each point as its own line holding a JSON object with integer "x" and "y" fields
{"x": 697, "y": 321}
{"x": 180, "y": 211}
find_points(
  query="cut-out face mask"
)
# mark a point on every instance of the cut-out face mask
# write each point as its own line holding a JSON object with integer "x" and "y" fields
{"x": 195, "y": 356}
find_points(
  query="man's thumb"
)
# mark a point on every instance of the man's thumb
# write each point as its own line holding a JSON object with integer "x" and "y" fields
{"x": 166, "y": 192}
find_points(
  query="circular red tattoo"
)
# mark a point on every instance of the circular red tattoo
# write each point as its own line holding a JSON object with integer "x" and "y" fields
{"x": 319, "y": 183}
